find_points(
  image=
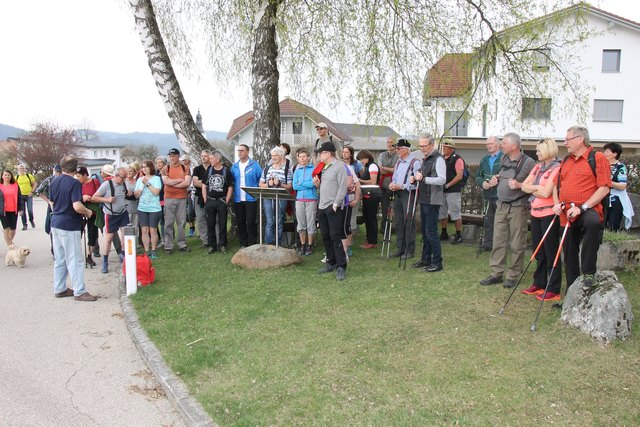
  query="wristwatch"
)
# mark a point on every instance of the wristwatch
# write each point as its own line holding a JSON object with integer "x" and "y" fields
{"x": 584, "y": 208}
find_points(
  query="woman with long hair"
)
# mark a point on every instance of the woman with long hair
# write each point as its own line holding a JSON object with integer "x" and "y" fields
{"x": 539, "y": 184}
{"x": 10, "y": 206}
{"x": 352, "y": 199}
{"x": 147, "y": 190}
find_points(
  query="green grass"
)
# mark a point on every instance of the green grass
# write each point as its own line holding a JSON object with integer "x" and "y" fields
{"x": 384, "y": 347}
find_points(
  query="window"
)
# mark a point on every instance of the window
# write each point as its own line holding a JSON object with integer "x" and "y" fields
{"x": 536, "y": 108}
{"x": 541, "y": 61}
{"x": 297, "y": 128}
{"x": 114, "y": 152}
{"x": 283, "y": 127}
{"x": 607, "y": 110}
{"x": 611, "y": 61}
{"x": 95, "y": 153}
{"x": 455, "y": 123}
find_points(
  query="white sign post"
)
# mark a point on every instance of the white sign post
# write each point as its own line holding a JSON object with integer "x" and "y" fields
{"x": 131, "y": 278}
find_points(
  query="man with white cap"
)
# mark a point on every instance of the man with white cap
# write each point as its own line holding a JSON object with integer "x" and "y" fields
{"x": 452, "y": 193}
{"x": 325, "y": 136}
{"x": 176, "y": 179}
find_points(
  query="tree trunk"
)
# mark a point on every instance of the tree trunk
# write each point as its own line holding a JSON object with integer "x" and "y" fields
{"x": 264, "y": 84}
{"x": 168, "y": 87}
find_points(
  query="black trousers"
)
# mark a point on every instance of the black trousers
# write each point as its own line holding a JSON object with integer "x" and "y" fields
{"x": 614, "y": 215}
{"x": 370, "y": 215}
{"x": 216, "y": 210}
{"x": 332, "y": 229}
{"x": 246, "y": 214}
{"x": 586, "y": 231}
{"x": 488, "y": 222}
{"x": 547, "y": 253}
{"x": 406, "y": 234}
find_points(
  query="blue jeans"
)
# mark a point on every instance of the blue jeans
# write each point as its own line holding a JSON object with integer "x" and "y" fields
{"x": 67, "y": 247}
{"x": 431, "y": 249}
{"x": 269, "y": 213}
{"x": 28, "y": 201}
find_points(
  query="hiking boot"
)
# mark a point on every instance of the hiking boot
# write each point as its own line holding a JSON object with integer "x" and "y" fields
{"x": 121, "y": 257}
{"x": 341, "y": 274}
{"x": 153, "y": 255}
{"x": 433, "y": 268}
{"x": 588, "y": 281}
{"x": 168, "y": 251}
{"x": 457, "y": 239}
{"x": 557, "y": 306}
{"x": 90, "y": 261}
{"x": 185, "y": 249}
{"x": 550, "y": 296}
{"x": 66, "y": 293}
{"x": 33, "y": 224}
{"x": 85, "y": 297}
{"x": 491, "y": 280}
{"x": 24, "y": 227}
{"x": 396, "y": 254}
{"x": 301, "y": 250}
{"x": 509, "y": 284}
{"x": 105, "y": 267}
{"x": 211, "y": 250}
{"x": 308, "y": 251}
{"x": 533, "y": 290}
{"x": 327, "y": 268}
{"x": 223, "y": 249}
{"x": 444, "y": 235}
{"x": 420, "y": 263}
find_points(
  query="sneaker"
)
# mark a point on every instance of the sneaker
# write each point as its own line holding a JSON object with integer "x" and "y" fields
{"x": 533, "y": 290}
{"x": 211, "y": 250}
{"x": 550, "y": 296}
{"x": 192, "y": 232}
{"x": 33, "y": 224}
{"x": 328, "y": 268}
{"x": 66, "y": 293}
{"x": 396, "y": 255}
{"x": 509, "y": 284}
{"x": 121, "y": 257}
{"x": 185, "y": 249}
{"x": 223, "y": 249}
{"x": 408, "y": 256}
{"x": 168, "y": 251}
{"x": 324, "y": 259}
{"x": 308, "y": 251}
{"x": 160, "y": 244}
{"x": 341, "y": 274}
{"x": 349, "y": 251}
{"x": 444, "y": 236}
{"x": 85, "y": 297}
{"x": 457, "y": 239}
{"x": 433, "y": 268}
{"x": 588, "y": 281}
{"x": 105, "y": 267}
{"x": 301, "y": 249}
{"x": 557, "y": 306}
{"x": 153, "y": 255}
{"x": 420, "y": 264}
{"x": 24, "y": 227}
{"x": 491, "y": 280}
{"x": 90, "y": 261}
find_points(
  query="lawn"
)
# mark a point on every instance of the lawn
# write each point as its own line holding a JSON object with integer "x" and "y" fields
{"x": 384, "y": 347}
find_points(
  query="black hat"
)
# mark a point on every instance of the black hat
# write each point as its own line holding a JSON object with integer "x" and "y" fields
{"x": 326, "y": 146}
{"x": 403, "y": 143}
{"x": 57, "y": 168}
{"x": 173, "y": 151}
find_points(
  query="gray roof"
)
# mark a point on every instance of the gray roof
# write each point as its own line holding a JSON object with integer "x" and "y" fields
{"x": 356, "y": 130}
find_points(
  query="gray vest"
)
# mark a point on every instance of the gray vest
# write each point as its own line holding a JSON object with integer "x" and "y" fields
{"x": 431, "y": 194}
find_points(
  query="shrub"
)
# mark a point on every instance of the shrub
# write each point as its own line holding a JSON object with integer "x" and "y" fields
{"x": 632, "y": 162}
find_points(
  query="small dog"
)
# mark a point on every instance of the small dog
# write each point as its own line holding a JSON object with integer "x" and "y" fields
{"x": 16, "y": 256}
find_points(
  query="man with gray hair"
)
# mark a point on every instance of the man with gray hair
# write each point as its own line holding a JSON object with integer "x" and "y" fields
{"x": 488, "y": 168}
{"x": 510, "y": 224}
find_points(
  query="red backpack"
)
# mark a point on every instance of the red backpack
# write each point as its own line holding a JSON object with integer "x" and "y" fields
{"x": 146, "y": 273}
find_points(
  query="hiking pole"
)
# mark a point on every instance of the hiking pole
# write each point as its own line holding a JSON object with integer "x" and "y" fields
{"x": 412, "y": 221}
{"x": 84, "y": 240}
{"x": 386, "y": 236}
{"x": 404, "y": 230}
{"x": 544, "y": 237}
{"x": 555, "y": 262}
{"x": 485, "y": 208}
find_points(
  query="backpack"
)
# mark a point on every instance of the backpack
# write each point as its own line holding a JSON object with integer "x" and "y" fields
{"x": 113, "y": 193}
{"x": 146, "y": 273}
{"x": 465, "y": 174}
{"x": 591, "y": 159}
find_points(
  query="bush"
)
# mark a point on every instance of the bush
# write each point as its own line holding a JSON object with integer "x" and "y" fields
{"x": 633, "y": 167}
{"x": 471, "y": 193}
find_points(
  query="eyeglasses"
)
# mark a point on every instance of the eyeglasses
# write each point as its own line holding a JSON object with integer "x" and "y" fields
{"x": 573, "y": 137}
{"x": 423, "y": 146}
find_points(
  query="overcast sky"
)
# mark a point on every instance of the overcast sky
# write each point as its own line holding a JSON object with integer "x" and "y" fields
{"x": 76, "y": 61}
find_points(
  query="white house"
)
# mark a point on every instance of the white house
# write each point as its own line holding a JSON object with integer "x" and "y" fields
{"x": 608, "y": 65}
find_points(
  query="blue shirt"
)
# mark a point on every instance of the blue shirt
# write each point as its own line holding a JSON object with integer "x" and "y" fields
{"x": 492, "y": 159}
{"x": 400, "y": 173}
{"x": 64, "y": 191}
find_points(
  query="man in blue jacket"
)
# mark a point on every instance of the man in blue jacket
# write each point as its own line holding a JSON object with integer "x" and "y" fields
{"x": 306, "y": 201}
{"x": 246, "y": 173}
{"x": 489, "y": 167}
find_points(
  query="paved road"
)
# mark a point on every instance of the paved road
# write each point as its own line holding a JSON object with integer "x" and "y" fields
{"x": 65, "y": 362}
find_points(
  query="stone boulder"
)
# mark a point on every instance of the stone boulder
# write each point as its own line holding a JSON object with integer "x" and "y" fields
{"x": 603, "y": 311}
{"x": 265, "y": 256}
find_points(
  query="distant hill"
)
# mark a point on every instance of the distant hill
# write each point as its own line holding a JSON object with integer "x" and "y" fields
{"x": 164, "y": 141}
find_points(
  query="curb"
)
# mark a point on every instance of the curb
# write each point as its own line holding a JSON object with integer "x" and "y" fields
{"x": 192, "y": 412}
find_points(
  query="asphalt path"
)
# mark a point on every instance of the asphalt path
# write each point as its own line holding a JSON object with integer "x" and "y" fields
{"x": 65, "y": 362}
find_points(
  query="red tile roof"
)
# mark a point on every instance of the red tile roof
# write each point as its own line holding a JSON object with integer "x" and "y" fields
{"x": 289, "y": 108}
{"x": 450, "y": 77}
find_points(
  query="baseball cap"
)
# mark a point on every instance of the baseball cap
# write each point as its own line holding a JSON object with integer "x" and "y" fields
{"x": 449, "y": 144}
{"x": 173, "y": 151}
{"x": 326, "y": 146}
{"x": 321, "y": 125}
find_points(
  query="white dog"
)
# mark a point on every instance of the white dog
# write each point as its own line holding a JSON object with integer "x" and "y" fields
{"x": 16, "y": 256}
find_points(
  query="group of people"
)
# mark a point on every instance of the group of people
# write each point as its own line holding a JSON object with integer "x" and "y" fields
{"x": 16, "y": 201}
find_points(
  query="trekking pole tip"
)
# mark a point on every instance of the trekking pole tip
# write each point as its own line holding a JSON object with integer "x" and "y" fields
{"x": 501, "y": 312}
{"x": 533, "y": 327}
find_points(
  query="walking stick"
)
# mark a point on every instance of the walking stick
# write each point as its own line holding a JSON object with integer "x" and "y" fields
{"x": 404, "y": 229}
{"x": 84, "y": 241}
{"x": 386, "y": 236}
{"x": 555, "y": 262}
{"x": 485, "y": 208}
{"x": 544, "y": 237}
{"x": 411, "y": 222}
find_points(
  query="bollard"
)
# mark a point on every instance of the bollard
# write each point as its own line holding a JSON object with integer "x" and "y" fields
{"x": 131, "y": 278}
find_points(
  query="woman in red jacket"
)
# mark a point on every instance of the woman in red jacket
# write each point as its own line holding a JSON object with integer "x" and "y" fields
{"x": 10, "y": 200}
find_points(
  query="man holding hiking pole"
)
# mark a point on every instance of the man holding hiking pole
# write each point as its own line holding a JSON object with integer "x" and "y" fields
{"x": 583, "y": 181}
{"x": 403, "y": 200}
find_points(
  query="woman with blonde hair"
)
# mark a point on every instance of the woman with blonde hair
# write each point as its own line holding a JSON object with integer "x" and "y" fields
{"x": 540, "y": 184}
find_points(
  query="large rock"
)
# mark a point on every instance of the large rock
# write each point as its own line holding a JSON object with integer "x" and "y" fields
{"x": 603, "y": 311}
{"x": 619, "y": 255}
{"x": 635, "y": 202}
{"x": 265, "y": 256}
